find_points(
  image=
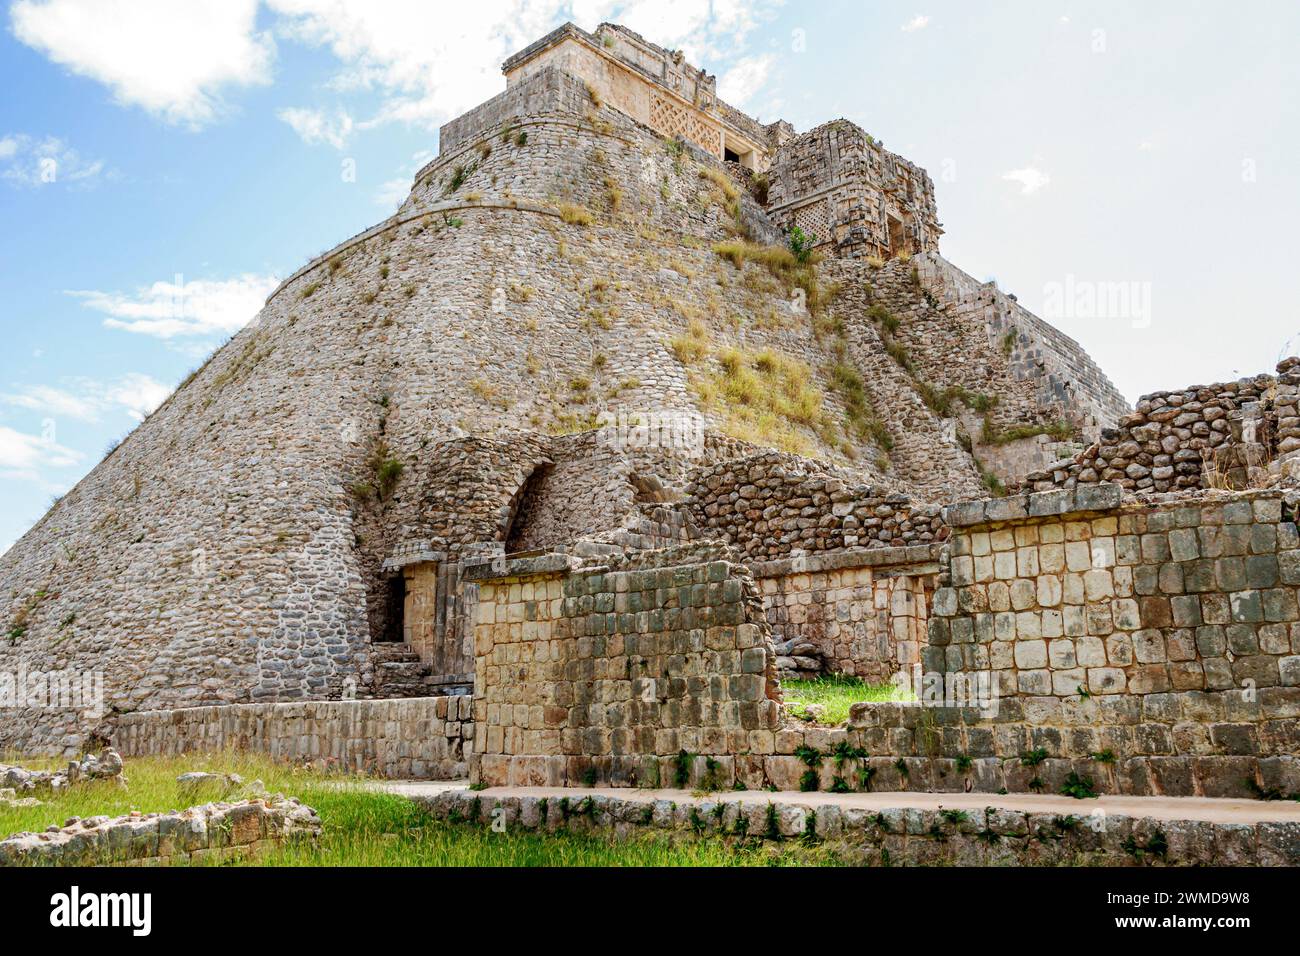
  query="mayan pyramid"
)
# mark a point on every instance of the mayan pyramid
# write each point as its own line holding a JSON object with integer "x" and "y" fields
{"x": 590, "y": 299}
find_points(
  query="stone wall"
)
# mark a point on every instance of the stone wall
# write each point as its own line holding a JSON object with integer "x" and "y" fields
{"x": 1143, "y": 647}
{"x": 421, "y": 737}
{"x": 861, "y": 613}
{"x": 210, "y": 833}
{"x": 1232, "y": 435}
{"x": 545, "y": 92}
{"x": 772, "y": 505}
{"x": 1068, "y": 591}
{"x": 1067, "y": 380}
{"x": 652, "y": 85}
{"x": 605, "y": 674}
{"x": 890, "y": 836}
{"x": 1178, "y": 744}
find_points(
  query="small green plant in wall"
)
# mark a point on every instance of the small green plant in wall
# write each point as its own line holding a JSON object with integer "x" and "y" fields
{"x": 1081, "y": 788}
{"x": 1032, "y": 758}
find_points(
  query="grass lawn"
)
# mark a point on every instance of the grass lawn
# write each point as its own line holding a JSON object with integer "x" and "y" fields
{"x": 836, "y": 693}
{"x": 367, "y": 828}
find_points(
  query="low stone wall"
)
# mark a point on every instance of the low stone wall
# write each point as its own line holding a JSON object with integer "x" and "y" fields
{"x": 1221, "y": 744}
{"x": 420, "y": 737}
{"x": 209, "y": 833}
{"x": 858, "y": 612}
{"x": 895, "y": 835}
{"x": 1190, "y": 744}
{"x": 605, "y": 673}
{"x": 1146, "y": 647}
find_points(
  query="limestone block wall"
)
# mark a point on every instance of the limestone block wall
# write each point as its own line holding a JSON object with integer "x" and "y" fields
{"x": 421, "y": 737}
{"x": 1227, "y": 435}
{"x": 545, "y": 91}
{"x": 864, "y": 611}
{"x": 1180, "y": 743}
{"x": 654, "y": 86}
{"x": 1146, "y": 648}
{"x": 1070, "y": 592}
{"x": 605, "y": 674}
{"x": 893, "y": 835}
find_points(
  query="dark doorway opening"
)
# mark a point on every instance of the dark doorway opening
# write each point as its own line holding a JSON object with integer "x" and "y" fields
{"x": 730, "y": 157}
{"x": 527, "y": 527}
{"x": 394, "y": 611}
{"x": 897, "y": 238}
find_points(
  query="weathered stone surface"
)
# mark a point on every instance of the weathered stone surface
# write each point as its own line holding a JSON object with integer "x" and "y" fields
{"x": 213, "y": 830}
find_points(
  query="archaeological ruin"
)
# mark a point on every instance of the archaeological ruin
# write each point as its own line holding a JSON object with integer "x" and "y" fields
{"x": 554, "y": 475}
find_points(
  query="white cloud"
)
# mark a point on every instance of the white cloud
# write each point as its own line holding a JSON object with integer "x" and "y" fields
{"x": 23, "y": 455}
{"x": 1031, "y": 179}
{"x": 431, "y": 61}
{"x": 316, "y": 126}
{"x": 170, "y": 58}
{"x": 918, "y": 22}
{"x": 428, "y": 61}
{"x": 700, "y": 28}
{"x": 169, "y": 310}
{"x": 53, "y": 401}
{"x": 137, "y": 394}
{"x": 27, "y": 161}
{"x": 745, "y": 78}
{"x": 133, "y": 394}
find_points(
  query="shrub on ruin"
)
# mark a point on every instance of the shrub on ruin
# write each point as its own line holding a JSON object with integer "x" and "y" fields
{"x": 801, "y": 245}
{"x": 576, "y": 215}
{"x": 459, "y": 174}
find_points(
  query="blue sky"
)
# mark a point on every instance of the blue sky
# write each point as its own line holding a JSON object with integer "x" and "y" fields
{"x": 163, "y": 162}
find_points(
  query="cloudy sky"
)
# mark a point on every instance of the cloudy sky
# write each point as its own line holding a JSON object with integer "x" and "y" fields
{"x": 1126, "y": 169}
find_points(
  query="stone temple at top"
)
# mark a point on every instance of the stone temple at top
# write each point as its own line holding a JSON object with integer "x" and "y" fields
{"x": 836, "y": 182}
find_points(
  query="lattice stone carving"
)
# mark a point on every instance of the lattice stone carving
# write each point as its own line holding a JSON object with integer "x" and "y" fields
{"x": 672, "y": 120}
{"x": 815, "y": 220}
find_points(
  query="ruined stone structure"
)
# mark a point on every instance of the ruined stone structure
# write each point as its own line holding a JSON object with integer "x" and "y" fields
{"x": 207, "y": 834}
{"x": 841, "y": 187}
{"x": 552, "y": 476}
{"x": 1232, "y": 435}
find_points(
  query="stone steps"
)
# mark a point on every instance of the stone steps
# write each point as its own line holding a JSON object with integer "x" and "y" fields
{"x": 399, "y": 672}
{"x": 910, "y": 827}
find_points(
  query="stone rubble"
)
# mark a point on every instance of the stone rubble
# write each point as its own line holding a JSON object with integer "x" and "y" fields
{"x": 107, "y": 766}
{"x": 210, "y": 832}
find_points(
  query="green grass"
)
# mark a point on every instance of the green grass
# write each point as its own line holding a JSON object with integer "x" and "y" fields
{"x": 367, "y": 828}
{"x": 152, "y": 787}
{"x": 836, "y": 693}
